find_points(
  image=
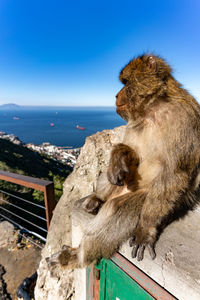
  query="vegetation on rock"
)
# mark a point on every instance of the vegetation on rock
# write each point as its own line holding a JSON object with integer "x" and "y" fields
{"x": 21, "y": 160}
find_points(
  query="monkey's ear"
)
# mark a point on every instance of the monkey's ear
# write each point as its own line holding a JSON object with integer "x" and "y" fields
{"x": 152, "y": 63}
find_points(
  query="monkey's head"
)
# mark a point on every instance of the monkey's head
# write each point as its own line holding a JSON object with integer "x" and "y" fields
{"x": 145, "y": 79}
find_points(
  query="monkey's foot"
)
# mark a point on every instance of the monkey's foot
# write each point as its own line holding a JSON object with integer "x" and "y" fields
{"x": 92, "y": 204}
{"x": 138, "y": 249}
{"x": 65, "y": 258}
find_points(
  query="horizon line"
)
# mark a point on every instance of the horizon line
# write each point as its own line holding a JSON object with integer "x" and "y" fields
{"x": 27, "y": 105}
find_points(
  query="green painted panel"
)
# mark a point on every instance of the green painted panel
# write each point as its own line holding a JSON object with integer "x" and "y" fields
{"x": 117, "y": 285}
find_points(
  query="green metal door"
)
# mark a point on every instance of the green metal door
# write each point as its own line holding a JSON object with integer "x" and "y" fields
{"x": 115, "y": 284}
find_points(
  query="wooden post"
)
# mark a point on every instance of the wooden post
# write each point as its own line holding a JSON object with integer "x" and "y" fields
{"x": 50, "y": 203}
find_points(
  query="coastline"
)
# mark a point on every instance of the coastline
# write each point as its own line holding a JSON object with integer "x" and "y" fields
{"x": 66, "y": 154}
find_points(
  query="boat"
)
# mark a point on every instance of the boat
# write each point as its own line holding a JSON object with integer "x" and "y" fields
{"x": 80, "y": 128}
{"x": 15, "y": 118}
{"x": 51, "y": 124}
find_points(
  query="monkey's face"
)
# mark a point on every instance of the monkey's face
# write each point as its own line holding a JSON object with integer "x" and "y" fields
{"x": 143, "y": 78}
{"x": 122, "y": 107}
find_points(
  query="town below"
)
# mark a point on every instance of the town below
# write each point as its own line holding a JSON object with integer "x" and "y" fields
{"x": 63, "y": 154}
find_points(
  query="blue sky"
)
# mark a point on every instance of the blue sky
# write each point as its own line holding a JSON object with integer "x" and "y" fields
{"x": 70, "y": 52}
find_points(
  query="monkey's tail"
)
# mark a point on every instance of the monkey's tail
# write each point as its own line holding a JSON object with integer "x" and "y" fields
{"x": 113, "y": 225}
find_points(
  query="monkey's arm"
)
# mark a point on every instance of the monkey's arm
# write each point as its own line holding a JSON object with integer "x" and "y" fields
{"x": 105, "y": 233}
{"x": 123, "y": 160}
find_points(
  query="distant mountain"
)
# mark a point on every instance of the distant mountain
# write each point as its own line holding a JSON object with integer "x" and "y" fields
{"x": 9, "y": 106}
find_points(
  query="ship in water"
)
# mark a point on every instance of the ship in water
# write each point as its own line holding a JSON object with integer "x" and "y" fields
{"x": 80, "y": 128}
{"x": 15, "y": 118}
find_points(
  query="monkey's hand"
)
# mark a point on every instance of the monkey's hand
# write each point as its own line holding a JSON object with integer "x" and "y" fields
{"x": 139, "y": 242}
{"x": 121, "y": 160}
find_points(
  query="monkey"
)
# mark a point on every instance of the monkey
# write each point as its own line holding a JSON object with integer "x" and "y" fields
{"x": 152, "y": 176}
{"x": 127, "y": 176}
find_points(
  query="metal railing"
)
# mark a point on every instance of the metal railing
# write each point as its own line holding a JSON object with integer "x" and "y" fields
{"x": 45, "y": 186}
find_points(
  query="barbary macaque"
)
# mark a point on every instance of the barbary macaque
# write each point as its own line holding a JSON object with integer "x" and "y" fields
{"x": 152, "y": 176}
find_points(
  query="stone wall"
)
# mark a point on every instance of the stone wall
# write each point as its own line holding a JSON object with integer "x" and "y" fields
{"x": 92, "y": 161}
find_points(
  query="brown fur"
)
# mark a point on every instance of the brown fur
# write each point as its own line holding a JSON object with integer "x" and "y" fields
{"x": 152, "y": 176}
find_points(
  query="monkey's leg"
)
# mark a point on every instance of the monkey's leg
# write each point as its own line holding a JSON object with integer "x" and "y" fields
{"x": 114, "y": 224}
{"x": 162, "y": 198}
{"x": 122, "y": 159}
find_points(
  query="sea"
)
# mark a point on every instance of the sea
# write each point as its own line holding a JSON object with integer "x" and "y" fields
{"x": 57, "y": 125}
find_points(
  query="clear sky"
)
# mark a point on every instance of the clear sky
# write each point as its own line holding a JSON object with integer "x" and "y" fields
{"x": 61, "y": 52}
